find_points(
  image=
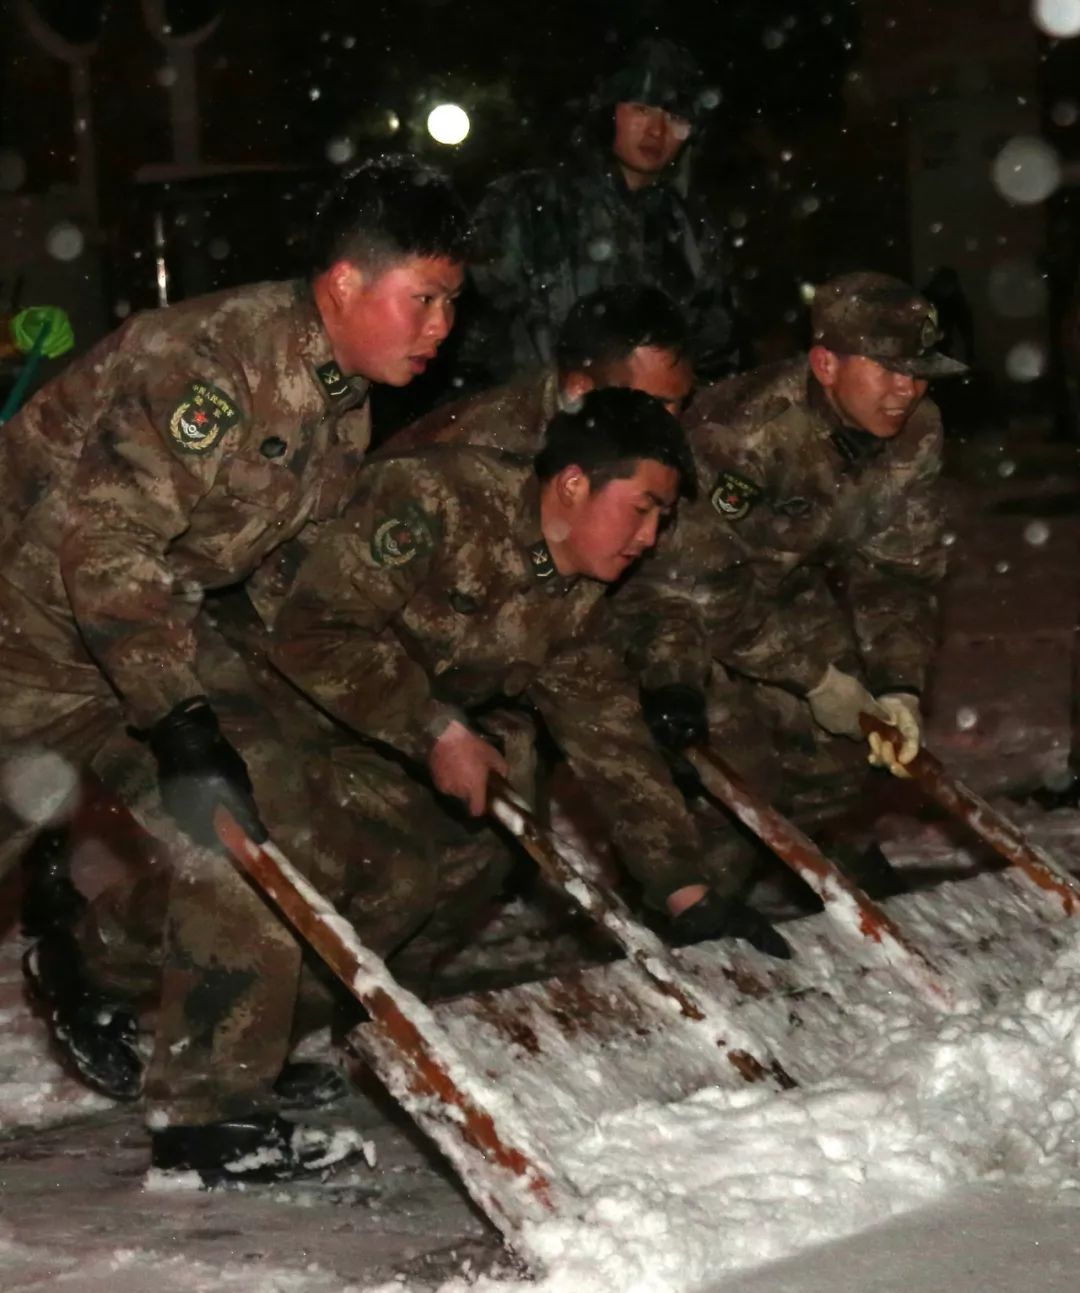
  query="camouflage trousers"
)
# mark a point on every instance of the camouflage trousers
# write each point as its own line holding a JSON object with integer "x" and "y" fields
{"x": 770, "y": 737}
{"x": 176, "y": 928}
{"x": 179, "y": 924}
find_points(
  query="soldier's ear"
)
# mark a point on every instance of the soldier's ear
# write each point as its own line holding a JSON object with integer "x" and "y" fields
{"x": 343, "y": 281}
{"x": 571, "y": 486}
{"x": 576, "y": 385}
{"x": 825, "y": 365}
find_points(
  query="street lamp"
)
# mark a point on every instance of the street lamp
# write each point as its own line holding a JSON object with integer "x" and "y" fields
{"x": 448, "y": 123}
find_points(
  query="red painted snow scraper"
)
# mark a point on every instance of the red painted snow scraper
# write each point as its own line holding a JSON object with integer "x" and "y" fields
{"x": 513, "y": 1085}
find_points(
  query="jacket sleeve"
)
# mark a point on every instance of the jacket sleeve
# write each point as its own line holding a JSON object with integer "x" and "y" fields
{"x": 342, "y": 635}
{"x": 711, "y": 310}
{"x": 656, "y": 623}
{"x": 156, "y": 449}
{"x": 590, "y": 706}
{"x": 892, "y": 579}
{"x": 509, "y": 284}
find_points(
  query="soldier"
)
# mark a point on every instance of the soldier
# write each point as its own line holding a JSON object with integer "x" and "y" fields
{"x": 175, "y": 460}
{"x": 621, "y": 336}
{"x": 799, "y": 590}
{"x": 461, "y": 580}
{"x": 613, "y": 213}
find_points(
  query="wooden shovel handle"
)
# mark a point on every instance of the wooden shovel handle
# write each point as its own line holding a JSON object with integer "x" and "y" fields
{"x": 1003, "y": 836}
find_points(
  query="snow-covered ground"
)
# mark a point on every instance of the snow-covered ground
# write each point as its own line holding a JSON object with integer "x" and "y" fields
{"x": 926, "y": 1146}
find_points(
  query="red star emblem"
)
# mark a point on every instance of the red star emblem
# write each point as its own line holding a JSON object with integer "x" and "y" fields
{"x": 200, "y": 418}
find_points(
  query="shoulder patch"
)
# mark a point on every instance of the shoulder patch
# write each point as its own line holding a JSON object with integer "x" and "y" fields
{"x": 333, "y": 383}
{"x": 201, "y": 417}
{"x": 733, "y": 495}
{"x": 400, "y": 538}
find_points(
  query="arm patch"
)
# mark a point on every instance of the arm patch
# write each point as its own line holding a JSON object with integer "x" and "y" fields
{"x": 398, "y": 539}
{"x": 201, "y": 417}
{"x": 733, "y": 495}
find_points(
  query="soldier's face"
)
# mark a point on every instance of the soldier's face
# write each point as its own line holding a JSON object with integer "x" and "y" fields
{"x": 605, "y": 530}
{"x": 869, "y": 396}
{"x": 647, "y": 141}
{"x": 658, "y": 372}
{"x": 388, "y": 327}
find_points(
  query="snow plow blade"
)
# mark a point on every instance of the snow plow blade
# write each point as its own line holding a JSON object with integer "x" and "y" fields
{"x": 844, "y": 902}
{"x": 514, "y": 1085}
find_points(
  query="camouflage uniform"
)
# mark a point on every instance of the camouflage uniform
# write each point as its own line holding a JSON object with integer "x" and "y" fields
{"x": 435, "y": 599}
{"x": 179, "y": 457}
{"x": 809, "y": 546}
{"x": 513, "y": 417}
{"x": 545, "y": 238}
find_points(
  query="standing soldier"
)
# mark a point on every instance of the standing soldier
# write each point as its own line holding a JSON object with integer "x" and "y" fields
{"x": 614, "y": 212}
{"x": 174, "y": 461}
{"x": 461, "y": 580}
{"x": 629, "y": 336}
{"x": 799, "y": 591}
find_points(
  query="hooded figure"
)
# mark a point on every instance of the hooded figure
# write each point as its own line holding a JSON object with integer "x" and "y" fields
{"x": 616, "y": 212}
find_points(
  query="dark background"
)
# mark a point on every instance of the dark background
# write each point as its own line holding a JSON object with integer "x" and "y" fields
{"x": 818, "y": 157}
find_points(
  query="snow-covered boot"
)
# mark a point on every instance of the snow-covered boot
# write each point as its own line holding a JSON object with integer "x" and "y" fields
{"x": 96, "y": 1035}
{"x": 310, "y": 1084}
{"x": 260, "y": 1147}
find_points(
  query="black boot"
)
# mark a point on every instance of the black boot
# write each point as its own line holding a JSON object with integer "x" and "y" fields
{"x": 95, "y": 1035}
{"x": 261, "y": 1147}
{"x": 310, "y": 1084}
{"x": 50, "y": 900}
{"x": 1059, "y": 796}
{"x": 715, "y": 916}
{"x": 872, "y": 871}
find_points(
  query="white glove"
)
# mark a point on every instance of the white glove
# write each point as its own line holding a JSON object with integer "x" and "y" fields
{"x": 837, "y": 701}
{"x": 902, "y": 713}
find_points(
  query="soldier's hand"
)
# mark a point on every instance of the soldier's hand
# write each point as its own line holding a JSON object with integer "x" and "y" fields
{"x": 198, "y": 769}
{"x": 838, "y": 700}
{"x": 675, "y": 715}
{"x": 902, "y": 711}
{"x": 460, "y": 764}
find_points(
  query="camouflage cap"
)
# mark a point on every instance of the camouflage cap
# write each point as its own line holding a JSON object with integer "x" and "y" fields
{"x": 884, "y": 319}
{"x": 657, "y": 72}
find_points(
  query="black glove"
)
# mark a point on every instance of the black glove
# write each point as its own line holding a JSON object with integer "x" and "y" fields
{"x": 715, "y": 916}
{"x": 675, "y": 715}
{"x": 199, "y": 769}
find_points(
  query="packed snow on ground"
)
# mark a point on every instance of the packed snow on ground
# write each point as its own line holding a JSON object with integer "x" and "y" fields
{"x": 899, "y": 1104}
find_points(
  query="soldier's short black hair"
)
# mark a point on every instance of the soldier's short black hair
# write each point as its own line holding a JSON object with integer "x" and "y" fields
{"x": 611, "y": 431}
{"x": 386, "y": 210}
{"x": 606, "y": 327}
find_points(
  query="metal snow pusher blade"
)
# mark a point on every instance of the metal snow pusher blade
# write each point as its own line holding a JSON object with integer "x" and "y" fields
{"x": 1002, "y": 835}
{"x": 514, "y": 1085}
{"x": 646, "y": 955}
{"x": 478, "y": 1132}
{"x": 844, "y": 902}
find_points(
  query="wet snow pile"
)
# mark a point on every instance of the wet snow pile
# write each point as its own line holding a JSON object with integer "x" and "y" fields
{"x": 676, "y": 1195}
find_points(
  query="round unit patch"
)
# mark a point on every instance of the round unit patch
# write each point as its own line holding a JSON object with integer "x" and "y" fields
{"x": 398, "y": 539}
{"x": 733, "y": 496}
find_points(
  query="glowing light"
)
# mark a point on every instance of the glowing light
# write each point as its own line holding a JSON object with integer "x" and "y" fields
{"x": 448, "y": 123}
{"x": 1059, "y": 18}
{"x": 1027, "y": 170}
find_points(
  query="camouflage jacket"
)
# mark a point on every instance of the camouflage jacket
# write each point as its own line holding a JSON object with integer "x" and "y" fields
{"x": 513, "y": 417}
{"x": 547, "y": 237}
{"x": 808, "y": 546}
{"x": 434, "y": 595}
{"x": 177, "y": 456}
